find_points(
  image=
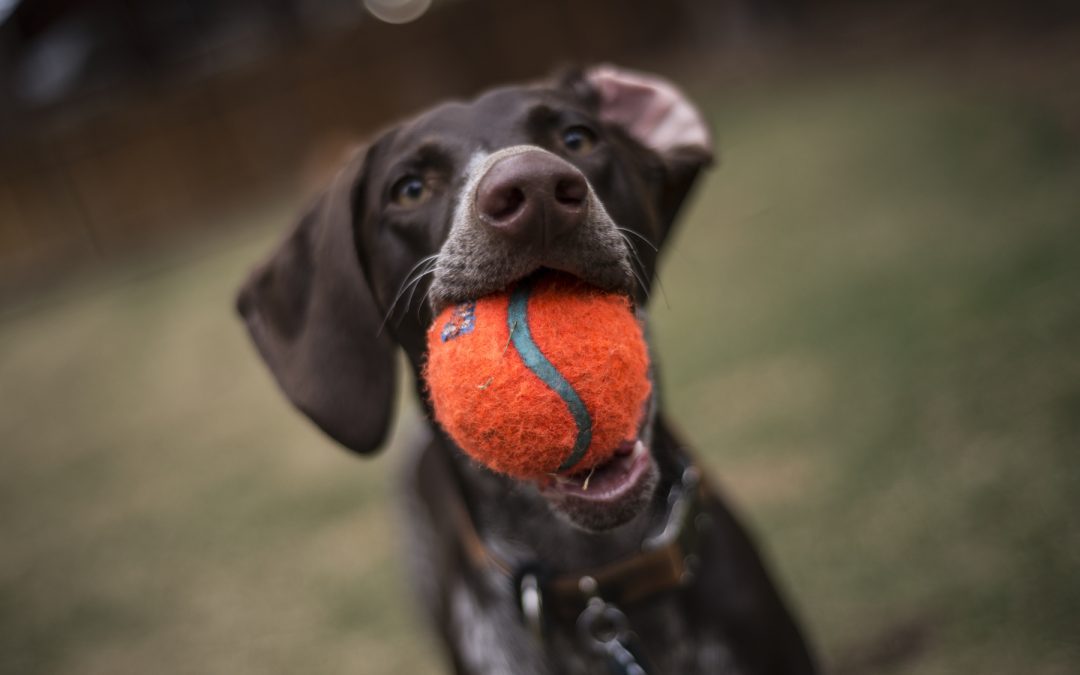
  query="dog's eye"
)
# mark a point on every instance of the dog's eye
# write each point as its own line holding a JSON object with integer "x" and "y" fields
{"x": 410, "y": 191}
{"x": 578, "y": 140}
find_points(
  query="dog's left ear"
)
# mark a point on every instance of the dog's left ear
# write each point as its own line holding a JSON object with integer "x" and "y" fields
{"x": 656, "y": 114}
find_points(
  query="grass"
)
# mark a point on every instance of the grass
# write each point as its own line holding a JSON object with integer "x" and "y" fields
{"x": 870, "y": 329}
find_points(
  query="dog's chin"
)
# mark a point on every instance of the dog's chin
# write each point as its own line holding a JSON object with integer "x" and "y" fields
{"x": 610, "y": 495}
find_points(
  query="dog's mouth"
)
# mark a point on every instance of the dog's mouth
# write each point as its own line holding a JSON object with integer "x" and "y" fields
{"x": 608, "y": 495}
{"x": 605, "y": 483}
{"x": 611, "y": 493}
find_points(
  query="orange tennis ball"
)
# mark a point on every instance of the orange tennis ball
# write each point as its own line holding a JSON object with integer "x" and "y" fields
{"x": 550, "y": 376}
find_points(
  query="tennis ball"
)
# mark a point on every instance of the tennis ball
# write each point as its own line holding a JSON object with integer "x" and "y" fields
{"x": 550, "y": 376}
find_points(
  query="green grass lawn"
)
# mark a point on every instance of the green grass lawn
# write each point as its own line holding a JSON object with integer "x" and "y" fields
{"x": 869, "y": 326}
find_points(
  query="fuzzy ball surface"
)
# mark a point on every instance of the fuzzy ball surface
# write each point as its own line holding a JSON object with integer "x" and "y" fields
{"x": 550, "y": 376}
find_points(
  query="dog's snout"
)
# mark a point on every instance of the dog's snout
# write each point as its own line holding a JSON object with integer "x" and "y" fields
{"x": 532, "y": 197}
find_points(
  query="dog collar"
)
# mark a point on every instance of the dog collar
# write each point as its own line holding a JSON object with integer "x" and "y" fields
{"x": 667, "y": 560}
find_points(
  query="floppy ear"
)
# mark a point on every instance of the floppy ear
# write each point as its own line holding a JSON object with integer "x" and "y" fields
{"x": 653, "y": 112}
{"x": 310, "y": 312}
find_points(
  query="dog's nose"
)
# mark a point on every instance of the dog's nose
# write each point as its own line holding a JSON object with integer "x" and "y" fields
{"x": 533, "y": 197}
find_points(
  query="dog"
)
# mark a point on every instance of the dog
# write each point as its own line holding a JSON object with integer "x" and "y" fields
{"x": 646, "y": 570}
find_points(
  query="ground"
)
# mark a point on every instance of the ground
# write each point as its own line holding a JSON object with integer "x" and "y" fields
{"x": 868, "y": 326}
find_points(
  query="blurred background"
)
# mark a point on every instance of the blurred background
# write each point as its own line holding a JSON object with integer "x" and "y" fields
{"x": 868, "y": 324}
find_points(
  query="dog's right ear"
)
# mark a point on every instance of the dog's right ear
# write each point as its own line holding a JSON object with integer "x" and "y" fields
{"x": 659, "y": 116}
{"x": 312, "y": 316}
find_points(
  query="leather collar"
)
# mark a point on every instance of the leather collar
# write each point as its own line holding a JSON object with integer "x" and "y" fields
{"x": 667, "y": 560}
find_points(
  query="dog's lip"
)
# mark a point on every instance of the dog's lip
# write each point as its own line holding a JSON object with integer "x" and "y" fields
{"x": 606, "y": 483}
{"x": 541, "y": 271}
{"x": 536, "y": 272}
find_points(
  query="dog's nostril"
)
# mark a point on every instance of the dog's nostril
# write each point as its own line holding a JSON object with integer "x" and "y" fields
{"x": 501, "y": 203}
{"x": 571, "y": 191}
{"x": 506, "y": 204}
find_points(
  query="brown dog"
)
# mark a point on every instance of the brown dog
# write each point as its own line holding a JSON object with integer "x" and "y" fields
{"x": 647, "y": 570}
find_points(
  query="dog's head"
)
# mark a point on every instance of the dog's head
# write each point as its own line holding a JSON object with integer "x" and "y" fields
{"x": 583, "y": 174}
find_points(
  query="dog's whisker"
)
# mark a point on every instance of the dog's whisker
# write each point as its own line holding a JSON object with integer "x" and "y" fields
{"x": 634, "y": 257}
{"x": 390, "y": 311}
{"x": 423, "y": 261}
{"x": 639, "y": 236}
{"x": 641, "y": 265}
{"x": 640, "y": 280}
{"x": 633, "y": 252}
{"x": 420, "y": 305}
{"x": 426, "y": 299}
{"x": 412, "y": 285}
{"x": 430, "y": 267}
{"x": 404, "y": 287}
{"x": 427, "y": 296}
{"x": 401, "y": 290}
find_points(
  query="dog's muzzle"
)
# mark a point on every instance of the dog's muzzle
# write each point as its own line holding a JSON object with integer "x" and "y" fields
{"x": 523, "y": 208}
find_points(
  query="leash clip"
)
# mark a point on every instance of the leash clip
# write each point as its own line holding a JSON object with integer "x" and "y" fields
{"x": 606, "y": 630}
